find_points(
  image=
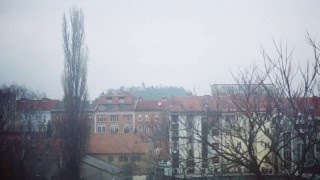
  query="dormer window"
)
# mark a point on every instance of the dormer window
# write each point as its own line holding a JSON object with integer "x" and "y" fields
{"x": 121, "y": 99}
{"x": 109, "y": 100}
{"x": 102, "y": 107}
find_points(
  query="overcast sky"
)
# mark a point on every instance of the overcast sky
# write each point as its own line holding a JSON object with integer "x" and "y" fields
{"x": 181, "y": 43}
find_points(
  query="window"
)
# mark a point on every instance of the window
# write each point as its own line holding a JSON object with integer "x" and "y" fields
{"x": 101, "y": 128}
{"x": 114, "y": 129}
{"x": 266, "y": 145}
{"x": 215, "y": 132}
{"x": 267, "y": 130}
{"x": 126, "y": 129}
{"x": 121, "y": 99}
{"x": 123, "y": 158}
{"x": 146, "y": 128}
{"x": 99, "y": 118}
{"x": 156, "y": 128}
{"x": 110, "y": 158}
{"x": 190, "y": 124}
{"x": 140, "y": 128}
{"x": 44, "y": 117}
{"x": 140, "y": 118}
{"x": 114, "y": 107}
{"x": 215, "y": 146}
{"x": 109, "y": 99}
{"x": 146, "y": 117}
{"x": 156, "y": 117}
{"x": 216, "y": 160}
{"x": 102, "y": 107}
{"x": 90, "y": 118}
{"x": 174, "y": 119}
{"x": 128, "y": 117}
{"x": 57, "y": 117}
{"x": 239, "y": 146}
{"x": 136, "y": 158}
{"x": 114, "y": 118}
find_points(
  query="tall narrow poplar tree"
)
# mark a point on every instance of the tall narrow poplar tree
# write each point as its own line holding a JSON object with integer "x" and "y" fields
{"x": 74, "y": 129}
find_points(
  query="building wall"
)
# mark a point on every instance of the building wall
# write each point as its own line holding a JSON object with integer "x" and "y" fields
{"x": 59, "y": 116}
{"x": 186, "y": 143}
{"x": 35, "y": 120}
{"x": 122, "y": 121}
{"x": 136, "y": 161}
{"x": 91, "y": 173}
{"x": 149, "y": 122}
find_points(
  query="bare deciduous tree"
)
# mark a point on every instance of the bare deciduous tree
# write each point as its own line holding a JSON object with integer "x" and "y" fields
{"x": 269, "y": 122}
{"x": 74, "y": 130}
{"x": 7, "y": 109}
{"x": 296, "y": 107}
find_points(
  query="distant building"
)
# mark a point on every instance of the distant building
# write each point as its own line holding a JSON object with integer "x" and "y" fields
{"x": 114, "y": 113}
{"x": 126, "y": 151}
{"x": 152, "y": 125}
{"x": 229, "y": 89}
{"x": 34, "y": 115}
{"x": 58, "y": 115}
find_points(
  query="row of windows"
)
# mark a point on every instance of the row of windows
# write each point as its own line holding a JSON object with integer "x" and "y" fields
{"x": 126, "y": 129}
{"x": 114, "y": 118}
{"x": 121, "y": 99}
{"x": 125, "y": 158}
{"x": 113, "y": 129}
{"x": 61, "y": 117}
{"x": 146, "y": 117}
{"x": 115, "y": 107}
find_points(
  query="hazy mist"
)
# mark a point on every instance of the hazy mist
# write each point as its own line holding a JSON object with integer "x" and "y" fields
{"x": 181, "y": 43}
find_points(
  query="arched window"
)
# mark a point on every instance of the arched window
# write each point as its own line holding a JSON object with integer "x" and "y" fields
{"x": 114, "y": 129}
{"x": 126, "y": 129}
{"x": 146, "y": 128}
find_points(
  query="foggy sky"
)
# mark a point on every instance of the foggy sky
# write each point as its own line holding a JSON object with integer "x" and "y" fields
{"x": 181, "y": 43}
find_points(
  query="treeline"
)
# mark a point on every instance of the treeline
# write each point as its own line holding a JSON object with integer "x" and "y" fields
{"x": 153, "y": 92}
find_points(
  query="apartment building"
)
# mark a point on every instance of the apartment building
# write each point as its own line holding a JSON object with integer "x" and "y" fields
{"x": 201, "y": 127}
{"x": 114, "y": 113}
{"x": 152, "y": 125}
{"x": 186, "y": 129}
{"x": 58, "y": 115}
{"x": 300, "y": 135}
{"x": 34, "y": 115}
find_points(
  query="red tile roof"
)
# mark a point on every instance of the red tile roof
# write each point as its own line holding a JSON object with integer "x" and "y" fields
{"x": 43, "y": 104}
{"x": 152, "y": 105}
{"x": 128, "y": 98}
{"x": 193, "y": 104}
{"x": 116, "y": 143}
